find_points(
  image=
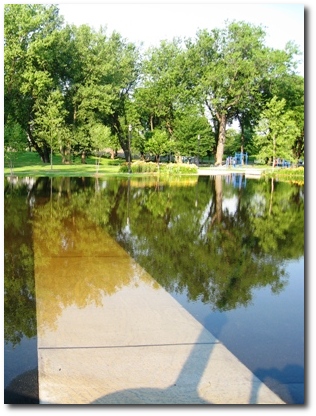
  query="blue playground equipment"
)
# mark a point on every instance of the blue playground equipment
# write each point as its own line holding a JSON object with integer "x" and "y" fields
{"x": 239, "y": 159}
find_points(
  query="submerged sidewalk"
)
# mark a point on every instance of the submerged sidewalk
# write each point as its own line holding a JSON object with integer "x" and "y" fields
{"x": 109, "y": 334}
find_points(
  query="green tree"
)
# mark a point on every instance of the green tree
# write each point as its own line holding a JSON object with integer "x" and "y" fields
{"x": 158, "y": 144}
{"x": 291, "y": 88}
{"x": 15, "y": 139}
{"x": 192, "y": 135}
{"x": 31, "y": 63}
{"x": 102, "y": 84}
{"x": 231, "y": 65}
{"x": 101, "y": 138}
{"x": 276, "y": 132}
{"x": 50, "y": 122}
{"x": 157, "y": 96}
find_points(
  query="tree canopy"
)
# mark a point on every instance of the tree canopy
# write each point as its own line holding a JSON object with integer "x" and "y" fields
{"x": 63, "y": 83}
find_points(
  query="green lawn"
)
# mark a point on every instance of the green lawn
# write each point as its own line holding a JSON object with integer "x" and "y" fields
{"x": 30, "y": 164}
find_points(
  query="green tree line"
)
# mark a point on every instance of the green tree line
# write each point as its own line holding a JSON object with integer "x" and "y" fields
{"x": 74, "y": 90}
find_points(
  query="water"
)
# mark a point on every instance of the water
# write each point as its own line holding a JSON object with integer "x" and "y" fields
{"x": 274, "y": 353}
{"x": 230, "y": 250}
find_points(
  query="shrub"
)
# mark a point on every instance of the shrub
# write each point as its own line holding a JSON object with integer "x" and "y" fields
{"x": 180, "y": 168}
{"x": 140, "y": 167}
{"x": 165, "y": 168}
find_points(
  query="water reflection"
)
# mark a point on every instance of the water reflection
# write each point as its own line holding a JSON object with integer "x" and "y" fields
{"x": 216, "y": 240}
{"x": 233, "y": 240}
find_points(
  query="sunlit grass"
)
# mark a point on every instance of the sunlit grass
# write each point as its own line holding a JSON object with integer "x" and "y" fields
{"x": 30, "y": 164}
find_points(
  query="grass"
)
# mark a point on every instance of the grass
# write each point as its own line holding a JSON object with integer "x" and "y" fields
{"x": 30, "y": 164}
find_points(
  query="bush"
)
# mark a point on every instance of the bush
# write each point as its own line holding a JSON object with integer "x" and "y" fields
{"x": 165, "y": 168}
{"x": 140, "y": 167}
{"x": 180, "y": 168}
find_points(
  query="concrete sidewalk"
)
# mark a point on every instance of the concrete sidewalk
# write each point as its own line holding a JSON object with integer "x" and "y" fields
{"x": 109, "y": 334}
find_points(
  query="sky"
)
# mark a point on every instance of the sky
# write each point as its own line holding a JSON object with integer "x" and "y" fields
{"x": 150, "y": 22}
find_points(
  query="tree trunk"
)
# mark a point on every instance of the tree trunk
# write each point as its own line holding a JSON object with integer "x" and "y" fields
{"x": 221, "y": 140}
{"x": 43, "y": 152}
{"x": 123, "y": 139}
{"x": 65, "y": 154}
{"x": 83, "y": 157}
{"x": 242, "y": 144}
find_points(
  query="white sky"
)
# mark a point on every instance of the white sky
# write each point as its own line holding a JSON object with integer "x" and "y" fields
{"x": 149, "y": 22}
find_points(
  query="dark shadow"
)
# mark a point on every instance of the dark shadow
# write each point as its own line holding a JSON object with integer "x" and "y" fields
{"x": 23, "y": 389}
{"x": 183, "y": 391}
{"x": 288, "y": 383}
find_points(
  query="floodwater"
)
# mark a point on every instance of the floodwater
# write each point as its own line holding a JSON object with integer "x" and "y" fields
{"x": 229, "y": 249}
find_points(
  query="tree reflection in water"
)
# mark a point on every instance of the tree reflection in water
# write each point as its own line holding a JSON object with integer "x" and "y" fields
{"x": 203, "y": 237}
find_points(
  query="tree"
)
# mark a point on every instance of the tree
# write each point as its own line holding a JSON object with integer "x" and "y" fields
{"x": 192, "y": 135}
{"x": 101, "y": 138}
{"x": 291, "y": 88}
{"x": 233, "y": 139}
{"x": 276, "y": 132}
{"x": 157, "y": 97}
{"x": 103, "y": 80}
{"x": 50, "y": 121}
{"x": 158, "y": 144}
{"x": 231, "y": 65}
{"x": 15, "y": 139}
{"x": 31, "y": 63}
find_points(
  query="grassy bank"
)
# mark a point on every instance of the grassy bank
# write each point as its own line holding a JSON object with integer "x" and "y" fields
{"x": 30, "y": 164}
{"x": 294, "y": 175}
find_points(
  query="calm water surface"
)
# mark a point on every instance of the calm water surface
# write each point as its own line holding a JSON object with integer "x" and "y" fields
{"x": 229, "y": 249}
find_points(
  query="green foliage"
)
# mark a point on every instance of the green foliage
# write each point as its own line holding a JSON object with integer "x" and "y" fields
{"x": 276, "y": 132}
{"x": 162, "y": 168}
{"x": 232, "y": 143}
{"x": 192, "y": 135}
{"x": 63, "y": 84}
{"x": 15, "y": 137}
{"x": 140, "y": 167}
{"x": 179, "y": 169}
{"x": 158, "y": 144}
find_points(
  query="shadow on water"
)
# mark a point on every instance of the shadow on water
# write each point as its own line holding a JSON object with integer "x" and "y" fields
{"x": 185, "y": 389}
{"x": 291, "y": 391}
{"x": 23, "y": 389}
{"x": 287, "y": 383}
{"x": 181, "y": 392}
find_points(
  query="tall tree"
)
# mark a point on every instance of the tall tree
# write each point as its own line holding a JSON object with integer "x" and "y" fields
{"x": 30, "y": 63}
{"x": 157, "y": 96}
{"x": 103, "y": 82}
{"x": 291, "y": 88}
{"x": 192, "y": 135}
{"x": 276, "y": 132}
{"x": 230, "y": 66}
